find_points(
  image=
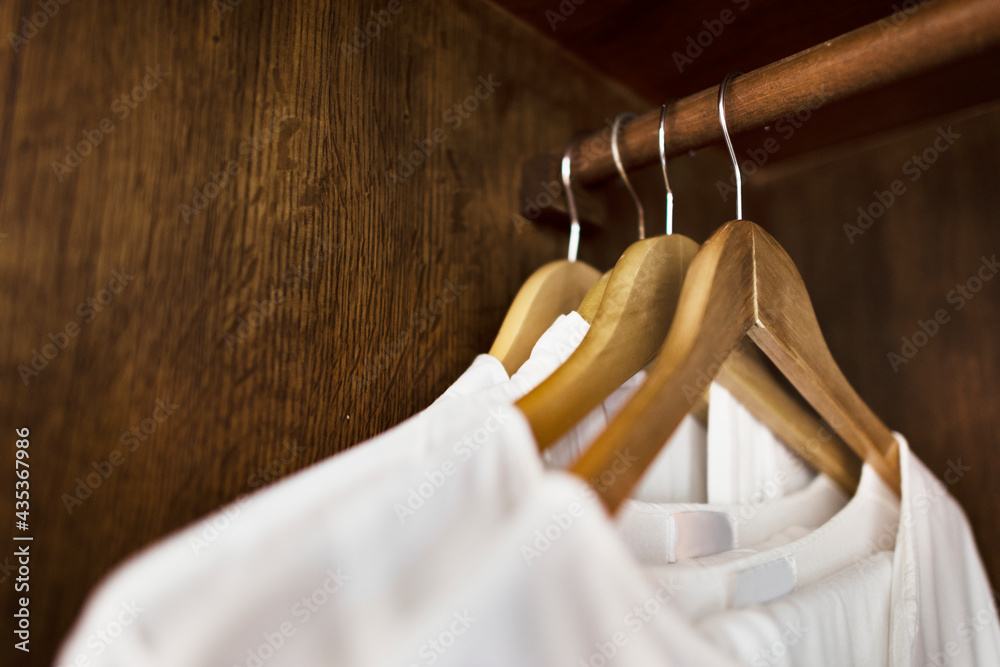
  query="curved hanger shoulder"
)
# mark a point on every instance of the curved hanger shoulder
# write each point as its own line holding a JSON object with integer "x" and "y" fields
{"x": 741, "y": 282}
{"x": 788, "y": 332}
{"x": 626, "y": 332}
{"x": 750, "y": 382}
{"x": 591, "y": 302}
{"x": 553, "y": 290}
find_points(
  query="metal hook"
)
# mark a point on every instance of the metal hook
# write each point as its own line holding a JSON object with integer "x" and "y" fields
{"x": 666, "y": 181}
{"x": 574, "y": 228}
{"x": 729, "y": 143}
{"x": 621, "y": 170}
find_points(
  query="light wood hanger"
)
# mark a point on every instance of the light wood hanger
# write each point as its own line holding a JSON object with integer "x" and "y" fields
{"x": 553, "y": 290}
{"x": 741, "y": 282}
{"x": 629, "y": 325}
{"x": 749, "y": 381}
{"x": 574, "y": 391}
{"x": 592, "y": 301}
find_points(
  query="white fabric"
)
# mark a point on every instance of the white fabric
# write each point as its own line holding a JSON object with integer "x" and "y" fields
{"x": 368, "y": 545}
{"x": 943, "y": 610}
{"x": 484, "y": 372}
{"x": 866, "y": 525}
{"x": 556, "y": 587}
{"x": 745, "y": 457}
{"x": 676, "y": 475}
{"x": 667, "y": 532}
{"x": 339, "y": 493}
{"x": 922, "y": 598}
{"x": 842, "y": 621}
{"x": 418, "y": 537}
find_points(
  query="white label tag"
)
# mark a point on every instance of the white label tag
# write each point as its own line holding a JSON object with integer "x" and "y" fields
{"x": 697, "y": 534}
{"x": 763, "y": 583}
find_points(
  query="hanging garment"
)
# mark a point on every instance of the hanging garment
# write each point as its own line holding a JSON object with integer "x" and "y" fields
{"x": 842, "y": 621}
{"x": 925, "y": 601}
{"x": 669, "y": 532}
{"x": 677, "y": 475}
{"x": 796, "y": 556}
{"x": 746, "y": 459}
{"x": 373, "y": 509}
{"x": 331, "y": 561}
{"x": 556, "y": 586}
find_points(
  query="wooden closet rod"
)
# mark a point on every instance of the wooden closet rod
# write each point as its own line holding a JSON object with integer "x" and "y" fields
{"x": 875, "y": 55}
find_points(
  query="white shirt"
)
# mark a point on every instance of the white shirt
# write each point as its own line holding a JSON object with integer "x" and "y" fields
{"x": 745, "y": 459}
{"x": 555, "y": 587}
{"x": 797, "y": 556}
{"x": 331, "y": 558}
{"x": 668, "y": 532}
{"x": 360, "y": 517}
{"x": 920, "y": 598}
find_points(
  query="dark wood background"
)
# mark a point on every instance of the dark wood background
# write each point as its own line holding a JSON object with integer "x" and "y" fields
{"x": 312, "y": 221}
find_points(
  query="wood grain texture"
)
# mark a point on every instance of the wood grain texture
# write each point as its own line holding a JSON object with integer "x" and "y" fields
{"x": 867, "y": 58}
{"x": 670, "y": 49}
{"x": 308, "y": 305}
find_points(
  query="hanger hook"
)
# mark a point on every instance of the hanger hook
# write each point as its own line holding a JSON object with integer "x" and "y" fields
{"x": 663, "y": 164}
{"x": 616, "y": 154}
{"x": 729, "y": 142}
{"x": 574, "y": 227}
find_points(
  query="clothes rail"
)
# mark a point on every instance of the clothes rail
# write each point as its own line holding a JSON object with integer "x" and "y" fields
{"x": 875, "y": 55}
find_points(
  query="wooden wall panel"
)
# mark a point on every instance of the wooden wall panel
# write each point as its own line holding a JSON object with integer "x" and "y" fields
{"x": 289, "y": 312}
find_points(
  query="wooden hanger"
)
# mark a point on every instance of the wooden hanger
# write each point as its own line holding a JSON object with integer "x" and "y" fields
{"x": 553, "y": 290}
{"x": 741, "y": 282}
{"x": 628, "y": 329}
{"x": 633, "y": 317}
{"x": 592, "y": 301}
{"x": 602, "y": 363}
{"x": 745, "y": 376}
